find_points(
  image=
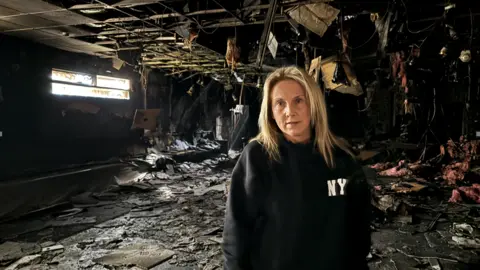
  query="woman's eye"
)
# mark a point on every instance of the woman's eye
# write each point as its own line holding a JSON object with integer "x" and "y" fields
{"x": 298, "y": 100}
{"x": 280, "y": 103}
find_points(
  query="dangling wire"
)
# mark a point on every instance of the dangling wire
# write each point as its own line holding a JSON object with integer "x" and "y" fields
{"x": 471, "y": 27}
{"x": 408, "y": 28}
{"x": 374, "y": 32}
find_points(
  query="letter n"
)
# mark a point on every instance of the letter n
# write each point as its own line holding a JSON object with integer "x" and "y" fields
{"x": 332, "y": 188}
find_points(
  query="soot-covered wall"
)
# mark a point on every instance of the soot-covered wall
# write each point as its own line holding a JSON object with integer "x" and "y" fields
{"x": 187, "y": 105}
{"x": 41, "y": 131}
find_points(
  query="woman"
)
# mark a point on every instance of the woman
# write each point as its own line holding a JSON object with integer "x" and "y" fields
{"x": 297, "y": 198}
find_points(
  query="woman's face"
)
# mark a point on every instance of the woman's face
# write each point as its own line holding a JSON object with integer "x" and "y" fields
{"x": 291, "y": 111}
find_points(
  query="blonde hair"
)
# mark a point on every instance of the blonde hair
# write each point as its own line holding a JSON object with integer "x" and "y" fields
{"x": 325, "y": 141}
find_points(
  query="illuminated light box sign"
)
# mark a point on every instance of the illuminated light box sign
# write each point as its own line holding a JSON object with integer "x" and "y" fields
{"x": 72, "y": 77}
{"x": 85, "y": 91}
{"x": 111, "y": 82}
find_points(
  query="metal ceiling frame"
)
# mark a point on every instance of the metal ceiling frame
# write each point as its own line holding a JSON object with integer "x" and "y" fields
{"x": 165, "y": 52}
{"x": 151, "y": 24}
{"x": 211, "y": 56}
{"x": 161, "y": 16}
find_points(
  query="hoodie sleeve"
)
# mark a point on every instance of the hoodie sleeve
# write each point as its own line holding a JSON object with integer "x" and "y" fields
{"x": 242, "y": 208}
{"x": 361, "y": 214}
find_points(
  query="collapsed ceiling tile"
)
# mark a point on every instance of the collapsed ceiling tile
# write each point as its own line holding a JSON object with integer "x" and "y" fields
{"x": 315, "y": 17}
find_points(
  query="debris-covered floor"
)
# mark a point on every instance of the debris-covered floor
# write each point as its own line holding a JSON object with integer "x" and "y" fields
{"x": 173, "y": 220}
{"x": 162, "y": 219}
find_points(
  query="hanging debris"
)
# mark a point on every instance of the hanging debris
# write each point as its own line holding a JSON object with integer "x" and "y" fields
{"x": 315, "y": 17}
{"x": 338, "y": 75}
{"x": 233, "y": 53}
{"x": 192, "y": 35}
{"x": 315, "y": 68}
{"x": 146, "y": 119}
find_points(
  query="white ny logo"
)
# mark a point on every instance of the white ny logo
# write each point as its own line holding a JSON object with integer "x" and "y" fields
{"x": 332, "y": 186}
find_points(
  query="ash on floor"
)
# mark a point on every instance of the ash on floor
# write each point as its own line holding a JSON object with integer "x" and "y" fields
{"x": 173, "y": 220}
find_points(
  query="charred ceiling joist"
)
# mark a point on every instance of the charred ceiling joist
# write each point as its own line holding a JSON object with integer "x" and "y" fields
{"x": 155, "y": 26}
{"x": 172, "y": 35}
{"x": 266, "y": 31}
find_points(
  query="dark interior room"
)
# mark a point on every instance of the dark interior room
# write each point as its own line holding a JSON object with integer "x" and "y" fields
{"x": 123, "y": 122}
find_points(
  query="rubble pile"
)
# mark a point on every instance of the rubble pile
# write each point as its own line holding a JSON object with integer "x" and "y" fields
{"x": 170, "y": 219}
{"x": 429, "y": 199}
{"x": 454, "y": 167}
{"x": 203, "y": 140}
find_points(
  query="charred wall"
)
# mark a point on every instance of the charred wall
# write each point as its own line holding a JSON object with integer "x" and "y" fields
{"x": 41, "y": 131}
{"x": 187, "y": 103}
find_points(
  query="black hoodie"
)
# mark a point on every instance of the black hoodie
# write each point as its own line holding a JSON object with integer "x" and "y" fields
{"x": 296, "y": 214}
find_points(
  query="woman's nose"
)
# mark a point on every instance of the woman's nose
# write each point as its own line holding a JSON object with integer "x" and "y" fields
{"x": 289, "y": 110}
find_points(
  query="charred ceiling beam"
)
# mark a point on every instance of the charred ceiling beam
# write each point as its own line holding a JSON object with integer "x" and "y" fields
{"x": 124, "y": 30}
{"x": 130, "y": 4}
{"x": 148, "y": 38}
{"x": 153, "y": 25}
{"x": 48, "y": 24}
{"x": 156, "y": 61}
{"x": 230, "y": 12}
{"x": 232, "y": 23}
{"x": 121, "y": 4}
{"x": 181, "y": 14}
{"x": 460, "y": 16}
{"x": 153, "y": 50}
{"x": 284, "y": 4}
{"x": 195, "y": 13}
{"x": 200, "y": 66}
{"x": 164, "y": 30}
{"x": 125, "y": 4}
{"x": 136, "y": 40}
{"x": 178, "y": 72}
{"x": 128, "y": 49}
{"x": 266, "y": 31}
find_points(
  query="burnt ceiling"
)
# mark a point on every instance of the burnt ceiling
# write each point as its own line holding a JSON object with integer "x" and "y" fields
{"x": 187, "y": 36}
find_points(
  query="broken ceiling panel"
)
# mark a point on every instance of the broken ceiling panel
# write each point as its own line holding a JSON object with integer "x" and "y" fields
{"x": 23, "y": 22}
{"x": 315, "y": 17}
{"x": 35, "y": 35}
{"x": 70, "y": 44}
{"x": 133, "y": 3}
{"x": 29, "y": 6}
{"x": 153, "y": 27}
{"x": 47, "y": 20}
{"x": 4, "y": 11}
{"x": 329, "y": 69}
{"x": 315, "y": 68}
{"x": 47, "y": 24}
{"x": 272, "y": 45}
{"x": 69, "y": 31}
{"x": 67, "y": 17}
{"x": 4, "y": 26}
